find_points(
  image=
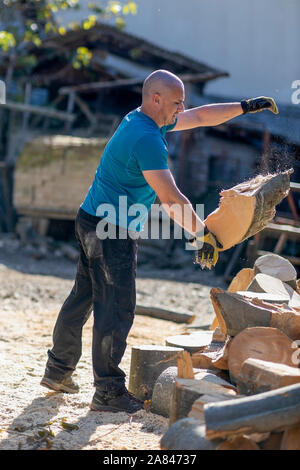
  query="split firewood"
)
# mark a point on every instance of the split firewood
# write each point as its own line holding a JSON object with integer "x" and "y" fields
{"x": 218, "y": 336}
{"x": 272, "y": 285}
{"x": 238, "y": 443}
{"x": 257, "y": 376}
{"x": 268, "y": 344}
{"x": 247, "y": 208}
{"x": 147, "y": 363}
{"x": 264, "y": 412}
{"x": 239, "y": 283}
{"x": 242, "y": 280}
{"x": 198, "y": 405}
{"x": 185, "y": 365}
{"x": 187, "y": 434}
{"x": 214, "y": 356}
{"x": 291, "y": 439}
{"x": 273, "y": 442}
{"x": 186, "y": 391}
{"x": 276, "y": 266}
{"x": 237, "y": 311}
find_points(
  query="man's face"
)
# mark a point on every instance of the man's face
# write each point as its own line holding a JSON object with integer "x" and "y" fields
{"x": 172, "y": 103}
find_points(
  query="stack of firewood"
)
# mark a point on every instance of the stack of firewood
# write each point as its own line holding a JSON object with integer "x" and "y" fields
{"x": 242, "y": 390}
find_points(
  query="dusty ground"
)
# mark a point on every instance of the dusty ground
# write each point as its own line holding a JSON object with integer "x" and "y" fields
{"x": 31, "y": 294}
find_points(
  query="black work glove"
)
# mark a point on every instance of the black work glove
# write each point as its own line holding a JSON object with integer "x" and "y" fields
{"x": 207, "y": 246}
{"x": 255, "y": 105}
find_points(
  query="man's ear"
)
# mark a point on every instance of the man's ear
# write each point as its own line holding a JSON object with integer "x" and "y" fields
{"x": 156, "y": 98}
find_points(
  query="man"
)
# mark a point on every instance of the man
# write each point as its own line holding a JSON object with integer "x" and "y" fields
{"x": 134, "y": 164}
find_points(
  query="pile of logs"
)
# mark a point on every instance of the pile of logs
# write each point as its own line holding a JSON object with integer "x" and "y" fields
{"x": 237, "y": 385}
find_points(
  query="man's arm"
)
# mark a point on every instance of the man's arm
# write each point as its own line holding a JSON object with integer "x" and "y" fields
{"x": 207, "y": 115}
{"x": 177, "y": 206}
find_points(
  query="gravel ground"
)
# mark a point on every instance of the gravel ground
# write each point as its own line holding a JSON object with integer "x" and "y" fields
{"x": 32, "y": 291}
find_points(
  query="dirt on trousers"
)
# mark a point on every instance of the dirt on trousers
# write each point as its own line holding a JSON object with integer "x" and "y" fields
{"x": 33, "y": 417}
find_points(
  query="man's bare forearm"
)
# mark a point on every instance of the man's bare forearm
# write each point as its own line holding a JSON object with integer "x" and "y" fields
{"x": 215, "y": 114}
{"x": 181, "y": 211}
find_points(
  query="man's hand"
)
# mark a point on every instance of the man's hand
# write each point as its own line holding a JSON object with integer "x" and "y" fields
{"x": 207, "y": 246}
{"x": 255, "y": 105}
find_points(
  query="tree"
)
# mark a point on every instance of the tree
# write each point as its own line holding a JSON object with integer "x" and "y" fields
{"x": 26, "y": 23}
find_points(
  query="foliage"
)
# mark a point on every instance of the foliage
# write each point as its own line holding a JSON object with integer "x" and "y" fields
{"x": 30, "y": 22}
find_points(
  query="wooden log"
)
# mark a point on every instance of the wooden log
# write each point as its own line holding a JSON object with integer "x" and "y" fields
{"x": 197, "y": 410}
{"x": 214, "y": 356}
{"x": 268, "y": 344}
{"x": 249, "y": 207}
{"x": 272, "y": 285}
{"x": 187, "y": 434}
{"x": 162, "y": 392}
{"x": 147, "y": 363}
{"x": 185, "y": 365}
{"x": 192, "y": 343}
{"x": 273, "y": 442}
{"x": 186, "y": 391}
{"x": 263, "y": 412}
{"x": 276, "y": 266}
{"x": 242, "y": 280}
{"x": 164, "y": 314}
{"x": 237, "y": 312}
{"x": 218, "y": 336}
{"x": 238, "y": 443}
{"x": 291, "y": 439}
{"x": 257, "y": 376}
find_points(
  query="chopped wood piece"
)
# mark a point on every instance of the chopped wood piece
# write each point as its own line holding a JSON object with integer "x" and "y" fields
{"x": 242, "y": 280}
{"x": 249, "y": 207}
{"x": 164, "y": 314}
{"x": 192, "y": 343}
{"x": 237, "y": 312}
{"x": 218, "y": 336}
{"x": 147, "y": 363}
{"x": 184, "y": 365}
{"x": 186, "y": 391}
{"x": 187, "y": 434}
{"x": 238, "y": 443}
{"x": 268, "y": 344}
{"x": 291, "y": 439}
{"x": 204, "y": 359}
{"x": 257, "y": 376}
{"x": 276, "y": 266}
{"x": 198, "y": 405}
{"x": 273, "y": 442}
{"x": 263, "y": 412}
{"x": 162, "y": 392}
{"x": 272, "y": 285}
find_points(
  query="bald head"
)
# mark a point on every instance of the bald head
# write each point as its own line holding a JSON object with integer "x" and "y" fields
{"x": 160, "y": 81}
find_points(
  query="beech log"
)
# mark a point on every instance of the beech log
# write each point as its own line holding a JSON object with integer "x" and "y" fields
{"x": 237, "y": 312}
{"x": 268, "y": 344}
{"x": 192, "y": 343}
{"x": 238, "y": 443}
{"x": 247, "y": 208}
{"x": 276, "y": 266}
{"x": 291, "y": 439}
{"x": 270, "y": 411}
{"x": 187, "y": 434}
{"x": 272, "y": 285}
{"x": 164, "y": 314}
{"x": 198, "y": 405}
{"x": 257, "y": 376}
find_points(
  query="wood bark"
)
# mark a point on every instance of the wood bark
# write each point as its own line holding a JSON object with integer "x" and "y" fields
{"x": 268, "y": 344}
{"x": 185, "y": 365}
{"x": 187, "y": 434}
{"x": 211, "y": 354}
{"x": 263, "y": 412}
{"x": 257, "y": 376}
{"x": 197, "y": 410}
{"x": 147, "y": 363}
{"x": 249, "y": 207}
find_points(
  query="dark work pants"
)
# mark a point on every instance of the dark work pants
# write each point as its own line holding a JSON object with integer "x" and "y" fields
{"x": 105, "y": 283}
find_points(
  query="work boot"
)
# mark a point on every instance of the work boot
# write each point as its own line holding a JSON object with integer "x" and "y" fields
{"x": 66, "y": 385}
{"x": 124, "y": 401}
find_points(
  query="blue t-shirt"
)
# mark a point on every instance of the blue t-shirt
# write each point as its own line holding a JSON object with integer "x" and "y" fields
{"x": 119, "y": 191}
